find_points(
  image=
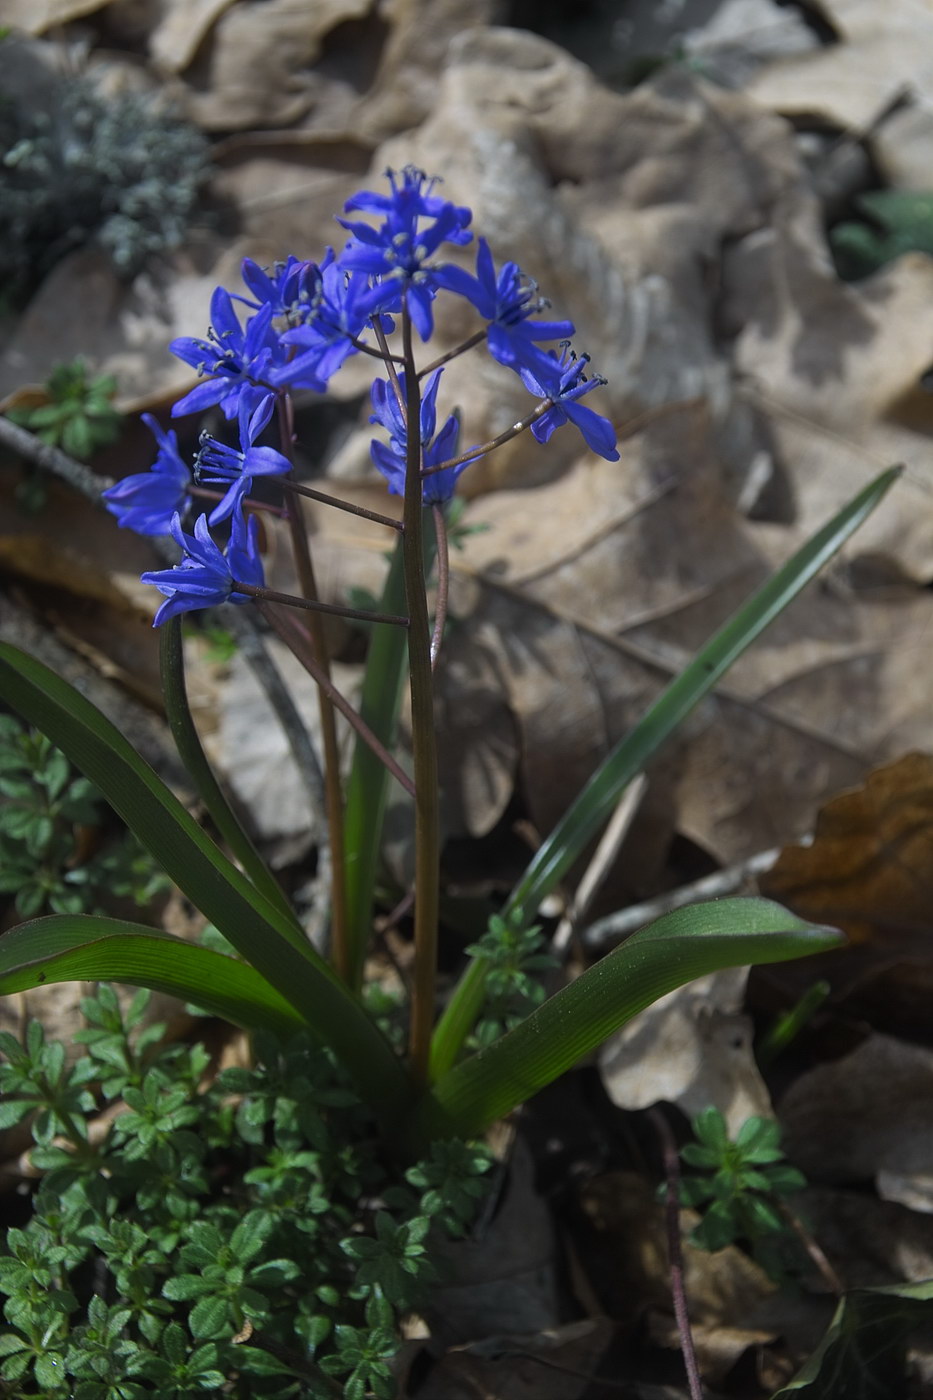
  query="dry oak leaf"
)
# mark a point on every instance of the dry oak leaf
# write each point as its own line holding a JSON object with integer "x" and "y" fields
{"x": 882, "y": 50}
{"x": 36, "y": 16}
{"x": 692, "y": 1048}
{"x": 870, "y": 865}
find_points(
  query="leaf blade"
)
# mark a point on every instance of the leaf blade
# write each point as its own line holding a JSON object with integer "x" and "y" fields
{"x": 84, "y": 947}
{"x": 222, "y": 893}
{"x": 592, "y": 808}
{"x": 670, "y": 952}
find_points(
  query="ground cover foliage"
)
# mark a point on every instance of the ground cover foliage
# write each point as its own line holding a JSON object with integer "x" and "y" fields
{"x": 689, "y": 223}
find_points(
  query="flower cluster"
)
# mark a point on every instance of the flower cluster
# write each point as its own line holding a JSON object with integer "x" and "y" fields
{"x": 303, "y": 321}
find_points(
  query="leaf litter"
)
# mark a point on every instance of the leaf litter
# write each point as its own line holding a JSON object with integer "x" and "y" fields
{"x": 756, "y": 392}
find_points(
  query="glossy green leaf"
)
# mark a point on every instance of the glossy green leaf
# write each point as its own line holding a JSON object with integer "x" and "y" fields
{"x": 591, "y": 810}
{"x": 367, "y": 792}
{"x": 188, "y": 744}
{"x": 368, "y": 784}
{"x": 673, "y": 950}
{"x": 85, "y": 948}
{"x": 863, "y": 1354}
{"x": 221, "y": 892}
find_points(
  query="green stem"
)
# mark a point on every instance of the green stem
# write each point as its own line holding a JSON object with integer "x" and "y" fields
{"x": 424, "y": 743}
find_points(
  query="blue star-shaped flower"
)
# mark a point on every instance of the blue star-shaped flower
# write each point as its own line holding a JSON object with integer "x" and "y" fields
{"x": 507, "y": 301}
{"x": 218, "y": 464}
{"x": 398, "y": 251}
{"x": 390, "y": 459}
{"x": 206, "y": 577}
{"x": 236, "y": 359}
{"x": 292, "y": 290}
{"x": 562, "y": 379}
{"x": 340, "y": 315}
{"x": 146, "y": 501}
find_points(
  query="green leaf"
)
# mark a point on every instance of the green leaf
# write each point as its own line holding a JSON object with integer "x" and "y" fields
{"x": 368, "y": 783}
{"x": 583, "y": 820}
{"x": 178, "y": 713}
{"x": 671, "y": 951}
{"x": 862, "y": 1355}
{"x": 223, "y": 894}
{"x": 709, "y": 1128}
{"x": 83, "y": 948}
{"x": 717, "y": 1229}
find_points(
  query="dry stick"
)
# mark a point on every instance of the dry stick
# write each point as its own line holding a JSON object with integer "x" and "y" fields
{"x": 598, "y": 868}
{"x": 53, "y": 460}
{"x": 296, "y": 639}
{"x": 272, "y": 595}
{"x": 335, "y": 501}
{"x": 443, "y": 583}
{"x": 675, "y": 1252}
{"x": 332, "y": 789}
{"x": 424, "y": 738}
{"x": 605, "y": 933}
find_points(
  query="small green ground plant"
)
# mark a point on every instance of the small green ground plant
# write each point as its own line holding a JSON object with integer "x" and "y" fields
{"x": 739, "y": 1185}
{"x": 79, "y": 416}
{"x": 80, "y": 167}
{"x": 44, "y": 807}
{"x": 233, "y": 1233}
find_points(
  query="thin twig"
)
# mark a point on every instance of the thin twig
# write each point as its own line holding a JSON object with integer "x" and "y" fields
{"x": 599, "y": 867}
{"x": 259, "y": 507}
{"x": 272, "y": 595}
{"x": 824, "y": 1267}
{"x": 485, "y": 448}
{"x": 296, "y": 639}
{"x": 381, "y": 354}
{"x": 605, "y": 933}
{"x": 335, "y": 501}
{"x": 476, "y": 339}
{"x": 675, "y": 1252}
{"x": 443, "y": 583}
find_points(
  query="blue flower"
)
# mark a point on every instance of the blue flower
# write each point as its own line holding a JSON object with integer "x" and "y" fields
{"x": 217, "y": 464}
{"x": 562, "y": 379}
{"x": 507, "y": 302}
{"x": 146, "y": 501}
{"x": 398, "y": 250}
{"x": 338, "y": 318}
{"x": 390, "y": 459}
{"x": 292, "y": 291}
{"x": 205, "y": 577}
{"x": 237, "y": 359}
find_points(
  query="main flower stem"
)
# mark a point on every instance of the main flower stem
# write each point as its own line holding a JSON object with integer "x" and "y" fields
{"x": 333, "y": 797}
{"x": 424, "y": 743}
